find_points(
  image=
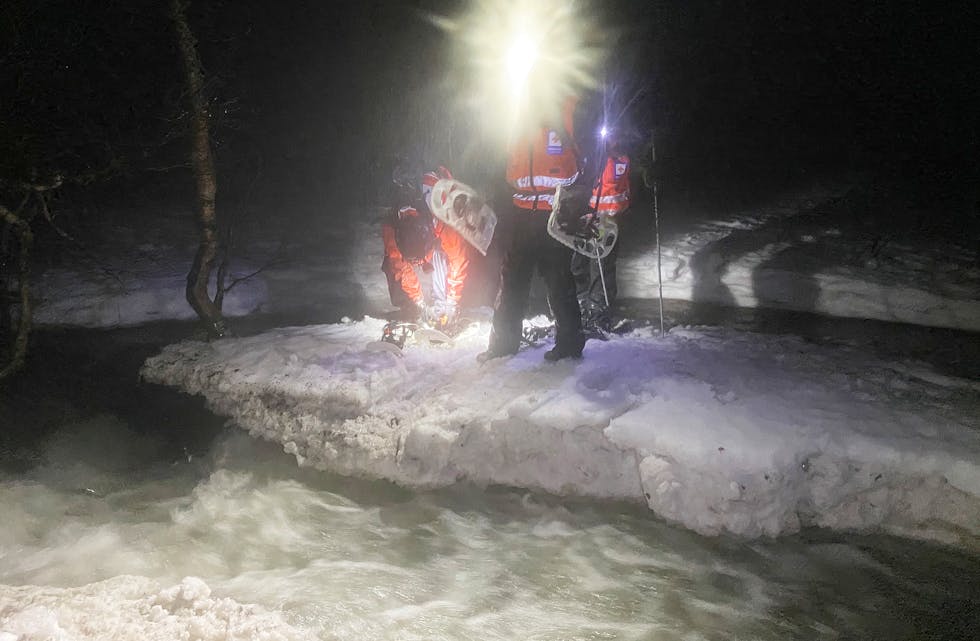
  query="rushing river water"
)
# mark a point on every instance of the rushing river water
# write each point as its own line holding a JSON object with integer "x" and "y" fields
{"x": 126, "y": 479}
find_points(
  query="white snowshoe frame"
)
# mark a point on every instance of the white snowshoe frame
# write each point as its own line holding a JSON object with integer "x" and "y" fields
{"x": 462, "y": 208}
{"x": 532, "y": 335}
{"x": 396, "y": 334}
{"x": 606, "y": 232}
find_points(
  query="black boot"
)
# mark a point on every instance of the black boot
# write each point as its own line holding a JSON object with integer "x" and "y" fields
{"x": 559, "y": 352}
{"x": 491, "y": 354}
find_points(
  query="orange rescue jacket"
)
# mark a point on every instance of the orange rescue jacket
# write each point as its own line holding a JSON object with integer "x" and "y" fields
{"x": 457, "y": 258}
{"x": 540, "y": 162}
{"x": 611, "y": 194}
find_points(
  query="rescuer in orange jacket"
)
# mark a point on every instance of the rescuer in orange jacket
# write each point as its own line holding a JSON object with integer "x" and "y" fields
{"x": 413, "y": 239}
{"x": 610, "y": 197}
{"x": 538, "y": 162}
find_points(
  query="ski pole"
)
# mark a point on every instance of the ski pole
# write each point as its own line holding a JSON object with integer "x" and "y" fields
{"x": 598, "y": 197}
{"x": 602, "y": 275}
{"x": 656, "y": 225}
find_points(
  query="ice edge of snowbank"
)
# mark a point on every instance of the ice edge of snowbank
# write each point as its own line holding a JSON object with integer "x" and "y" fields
{"x": 821, "y": 488}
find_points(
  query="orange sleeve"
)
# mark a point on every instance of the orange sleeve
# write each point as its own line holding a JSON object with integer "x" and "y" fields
{"x": 457, "y": 259}
{"x": 388, "y": 237}
{"x": 624, "y": 187}
{"x": 611, "y": 194}
{"x": 400, "y": 269}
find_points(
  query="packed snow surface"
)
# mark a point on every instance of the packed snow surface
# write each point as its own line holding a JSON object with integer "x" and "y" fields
{"x": 717, "y": 430}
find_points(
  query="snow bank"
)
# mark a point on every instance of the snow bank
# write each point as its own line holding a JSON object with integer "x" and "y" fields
{"x": 713, "y": 429}
{"x": 128, "y": 298}
{"x": 781, "y": 256}
{"x": 129, "y": 607}
{"x": 785, "y": 259}
{"x": 143, "y": 273}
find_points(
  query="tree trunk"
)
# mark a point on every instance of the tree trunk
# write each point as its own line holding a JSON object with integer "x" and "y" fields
{"x": 25, "y": 239}
{"x": 203, "y": 165}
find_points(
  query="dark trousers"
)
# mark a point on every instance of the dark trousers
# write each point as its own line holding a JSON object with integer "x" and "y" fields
{"x": 532, "y": 248}
{"x": 588, "y": 281}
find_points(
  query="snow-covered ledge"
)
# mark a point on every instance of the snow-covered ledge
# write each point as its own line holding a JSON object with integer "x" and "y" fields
{"x": 741, "y": 262}
{"x": 713, "y": 429}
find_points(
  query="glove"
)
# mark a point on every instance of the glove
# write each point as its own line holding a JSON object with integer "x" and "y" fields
{"x": 590, "y": 222}
{"x": 450, "y": 315}
{"x": 443, "y": 317}
{"x": 583, "y": 226}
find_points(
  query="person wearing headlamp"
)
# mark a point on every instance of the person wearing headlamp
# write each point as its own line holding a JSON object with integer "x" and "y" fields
{"x": 538, "y": 162}
{"x": 595, "y": 284}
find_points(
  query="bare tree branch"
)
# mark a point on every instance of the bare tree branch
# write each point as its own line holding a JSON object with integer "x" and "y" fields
{"x": 272, "y": 263}
{"x": 47, "y": 216}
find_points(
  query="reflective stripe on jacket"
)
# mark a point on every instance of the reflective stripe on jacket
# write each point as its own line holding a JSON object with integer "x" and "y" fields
{"x": 540, "y": 162}
{"x": 457, "y": 260}
{"x": 613, "y": 187}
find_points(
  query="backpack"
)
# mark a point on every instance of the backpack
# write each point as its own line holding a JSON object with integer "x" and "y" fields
{"x": 413, "y": 233}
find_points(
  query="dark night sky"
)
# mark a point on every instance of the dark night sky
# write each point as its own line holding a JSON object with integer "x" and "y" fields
{"x": 320, "y": 94}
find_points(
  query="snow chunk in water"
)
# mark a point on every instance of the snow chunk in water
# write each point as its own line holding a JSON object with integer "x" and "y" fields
{"x": 717, "y": 430}
{"x": 134, "y": 608}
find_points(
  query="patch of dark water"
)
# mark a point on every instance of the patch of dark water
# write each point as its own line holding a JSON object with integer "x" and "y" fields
{"x": 75, "y": 373}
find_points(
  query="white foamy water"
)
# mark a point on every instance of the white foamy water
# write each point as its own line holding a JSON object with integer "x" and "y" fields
{"x": 106, "y": 539}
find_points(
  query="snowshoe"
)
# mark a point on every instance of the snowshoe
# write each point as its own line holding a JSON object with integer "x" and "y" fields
{"x": 595, "y": 239}
{"x": 533, "y": 332}
{"x": 432, "y": 336}
{"x": 462, "y": 208}
{"x": 396, "y": 334}
{"x": 594, "y": 332}
{"x": 605, "y": 328}
{"x": 621, "y": 326}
